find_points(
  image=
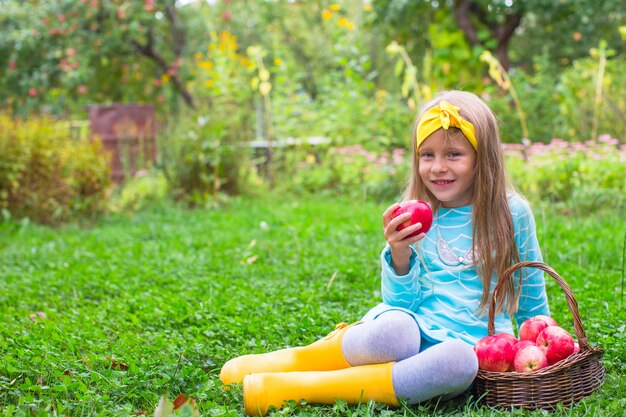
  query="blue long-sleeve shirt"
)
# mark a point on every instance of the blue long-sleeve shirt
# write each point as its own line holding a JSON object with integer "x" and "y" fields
{"x": 444, "y": 299}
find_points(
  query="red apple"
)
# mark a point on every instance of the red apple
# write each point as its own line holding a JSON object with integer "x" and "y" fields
{"x": 530, "y": 329}
{"x": 530, "y": 359}
{"x": 512, "y": 341}
{"x": 547, "y": 319}
{"x": 556, "y": 343}
{"x": 509, "y": 337}
{"x": 521, "y": 345}
{"x": 494, "y": 354}
{"x": 420, "y": 212}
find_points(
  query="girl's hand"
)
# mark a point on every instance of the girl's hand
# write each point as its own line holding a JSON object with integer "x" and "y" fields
{"x": 398, "y": 240}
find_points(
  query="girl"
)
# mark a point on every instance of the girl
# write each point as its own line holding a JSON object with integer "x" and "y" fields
{"x": 417, "y": 344}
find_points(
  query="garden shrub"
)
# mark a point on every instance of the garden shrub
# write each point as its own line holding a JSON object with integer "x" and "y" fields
{"x": 348, "y": 171}
{"x": 582, "y": 175}
{"x": 205, "y": 153}
{"x": 48, "y": 176}
{"x": 576, "y": 99}
{"x": 376, "y": 120}
{"x": 144, "y": 189}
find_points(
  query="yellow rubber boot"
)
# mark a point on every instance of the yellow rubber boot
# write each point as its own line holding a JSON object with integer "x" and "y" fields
{"x": 354, "y": 385}
{"x": 324, "y": 355}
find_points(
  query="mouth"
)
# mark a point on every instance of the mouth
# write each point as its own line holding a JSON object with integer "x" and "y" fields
{"x": 442, "y": 183}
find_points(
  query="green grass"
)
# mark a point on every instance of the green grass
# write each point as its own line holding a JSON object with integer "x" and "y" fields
{"x": 173, "y": 294}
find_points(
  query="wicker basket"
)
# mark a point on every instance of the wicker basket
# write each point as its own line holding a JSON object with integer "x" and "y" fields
{"x": 566, "y": 381}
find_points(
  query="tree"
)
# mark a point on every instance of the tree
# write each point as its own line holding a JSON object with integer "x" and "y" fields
{"x": 516, "y": 29}
{"x": 61, "y": 53}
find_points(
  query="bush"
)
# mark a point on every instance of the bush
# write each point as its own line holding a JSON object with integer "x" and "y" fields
{"x": 204, "y": 154}
{"x": 584, "y": 176}
{"x": 48, "y": 176}
{"x": 144, "y": 189}
{"x": 349, "y": 171}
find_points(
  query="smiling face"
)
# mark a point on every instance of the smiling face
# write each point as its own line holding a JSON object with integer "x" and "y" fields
{"x": 446, "y": 167}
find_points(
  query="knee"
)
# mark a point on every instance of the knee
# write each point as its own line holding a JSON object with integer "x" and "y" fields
{"x": 401, "y": 333}
{"x": 463, "y": 361}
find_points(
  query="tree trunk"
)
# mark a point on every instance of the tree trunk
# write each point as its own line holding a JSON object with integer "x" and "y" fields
{"x": 469, "y": 15}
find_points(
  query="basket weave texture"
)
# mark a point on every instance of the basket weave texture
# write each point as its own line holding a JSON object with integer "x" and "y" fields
{"x": 566, "y": 381}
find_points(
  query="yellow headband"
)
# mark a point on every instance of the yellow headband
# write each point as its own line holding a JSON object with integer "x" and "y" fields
{"x": 443, "y": 116}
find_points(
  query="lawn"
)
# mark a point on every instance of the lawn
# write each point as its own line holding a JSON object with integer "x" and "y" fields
{"x": 103, "y": 319}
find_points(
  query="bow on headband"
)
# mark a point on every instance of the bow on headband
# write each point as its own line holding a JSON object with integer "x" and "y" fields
{"x": 443, "y": 116}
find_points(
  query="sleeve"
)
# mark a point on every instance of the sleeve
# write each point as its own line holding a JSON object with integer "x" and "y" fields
{"x": 533, "y": 298}
{"x": 400, "y": 291}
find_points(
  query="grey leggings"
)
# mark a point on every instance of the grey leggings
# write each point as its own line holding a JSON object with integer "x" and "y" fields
{"x": 444, "y": 370}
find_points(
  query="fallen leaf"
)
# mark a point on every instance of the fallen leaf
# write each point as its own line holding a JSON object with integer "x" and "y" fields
{"x": 115, "y": 364}
{"x": 180, "y": 400}
{"x": 86, "y": 360}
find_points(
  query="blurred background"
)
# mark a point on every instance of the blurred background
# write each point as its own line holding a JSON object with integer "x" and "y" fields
{"x": 115, "y": 105}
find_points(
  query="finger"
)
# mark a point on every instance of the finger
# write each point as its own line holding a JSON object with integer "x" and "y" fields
{"x": 402, "y": 234}
{"x": 387, "y": 214}
{"x": 391, "y": 227}
{"x": 397, "y": 221}
{"x": 415, "y": 239}
{"x": 392, "y": 234}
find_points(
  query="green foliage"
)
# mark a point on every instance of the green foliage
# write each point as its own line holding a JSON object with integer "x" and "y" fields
{"x": 144, "y": 190}
{"x": 61, "y": 55}
{"x": 348, "y": 171}
{"x": 577, "y": 98}
{"x": 567, "y": 30}
{"x": 205, "y": 153}
{"x": 375, "y": 120}
{"x": 173, "y": 295}
{"x": 324, "y": 72}
{"x": 584, "y": 177}
{"x": 48, "y": 176}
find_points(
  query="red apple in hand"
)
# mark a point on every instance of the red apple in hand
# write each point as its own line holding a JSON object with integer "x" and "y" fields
{"x": 420, "y": 212}
{"x": 547, "y": 319}
{"x": 494, "y": 354}
{"x": 529, "y": 358}
{"x": 556, "y": 343}
{"x": 530, "y": 329}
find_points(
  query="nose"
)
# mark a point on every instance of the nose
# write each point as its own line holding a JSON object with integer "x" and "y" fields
{"x": 439, "y": 165}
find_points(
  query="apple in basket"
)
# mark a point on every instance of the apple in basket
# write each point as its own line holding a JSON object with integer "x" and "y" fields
{"x": 495, "y": 354}
{"x": 556, "y": 343}
{"x": 512, "y": 341}
{"x": 521, "y": 345}
{"x": 420, "y": 212}
{"x": 530, "y": 329}
{"x": 530, "y": 358}
{"x": 547, "y": 319}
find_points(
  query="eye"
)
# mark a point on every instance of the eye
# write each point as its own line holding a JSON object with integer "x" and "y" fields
{"x": 455, "y": 154}
{"x": 426, "y": 155}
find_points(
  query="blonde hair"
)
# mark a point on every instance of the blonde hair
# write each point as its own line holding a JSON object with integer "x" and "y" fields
{"x": 493, "y": 237}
